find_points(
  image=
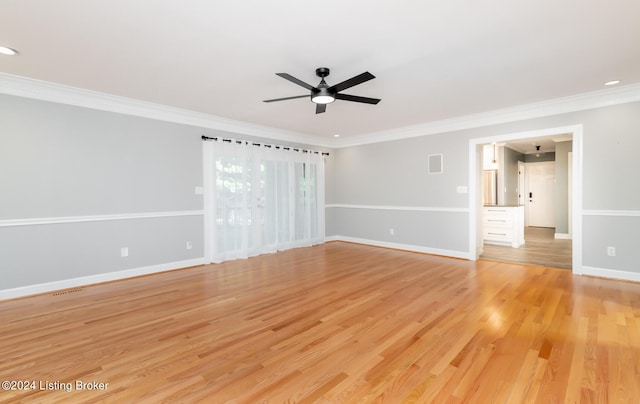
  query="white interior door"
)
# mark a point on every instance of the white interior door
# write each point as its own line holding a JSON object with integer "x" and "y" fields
{"x": 540, "y": 194}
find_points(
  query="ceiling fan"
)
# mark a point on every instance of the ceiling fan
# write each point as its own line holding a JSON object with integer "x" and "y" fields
{"x": 324, "y": 94}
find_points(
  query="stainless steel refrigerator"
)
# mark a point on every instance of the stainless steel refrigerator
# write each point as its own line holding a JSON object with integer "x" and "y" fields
{"x": 490, "y": 187}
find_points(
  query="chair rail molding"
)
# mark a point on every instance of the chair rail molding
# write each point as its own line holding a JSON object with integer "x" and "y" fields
{"x": 96, "y": 218}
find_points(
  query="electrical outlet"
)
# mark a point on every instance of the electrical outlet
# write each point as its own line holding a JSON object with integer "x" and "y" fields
{"x": 611, "y": 251}
{"x": 391, "y": 231}
{"x": 189, "y": 245}
{"x": 124, "y": 252}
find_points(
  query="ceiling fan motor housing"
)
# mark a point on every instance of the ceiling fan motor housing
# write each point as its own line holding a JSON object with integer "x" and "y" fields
{"x": 323, "y": 90}
{"x": 322, "y": 72}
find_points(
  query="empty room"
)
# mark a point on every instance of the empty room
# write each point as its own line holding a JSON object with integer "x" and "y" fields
{"x": 336, "y": 202}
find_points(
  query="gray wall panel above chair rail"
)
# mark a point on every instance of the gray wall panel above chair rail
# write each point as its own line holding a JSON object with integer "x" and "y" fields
{"x": 58, "y": 160}
{"x": 394, "y": 172}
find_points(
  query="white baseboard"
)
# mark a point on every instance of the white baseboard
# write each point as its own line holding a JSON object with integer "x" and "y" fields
{"x": 611, "y": 273}
{"x": 398, "y": 246}
{"x": 99, "y": 278}
{"x": 563, "y": 236}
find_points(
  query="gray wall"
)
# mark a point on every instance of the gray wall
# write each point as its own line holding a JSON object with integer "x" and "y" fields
{"x": 394, "y": 173}
{"x": 562, "y": 187}
{"x": 61, "y": 161}
{"x": 58, "y": 160}
{"x": 509, "y": 189}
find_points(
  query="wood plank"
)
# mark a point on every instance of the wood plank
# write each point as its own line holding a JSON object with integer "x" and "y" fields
{"x": 540, "y": 248}
{"x": 338, "y": 322}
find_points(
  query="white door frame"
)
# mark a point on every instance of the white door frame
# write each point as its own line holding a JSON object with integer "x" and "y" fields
{"x": 475, "y": 200}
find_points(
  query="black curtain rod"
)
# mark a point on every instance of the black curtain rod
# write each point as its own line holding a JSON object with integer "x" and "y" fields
{"x": 265, "y": 145}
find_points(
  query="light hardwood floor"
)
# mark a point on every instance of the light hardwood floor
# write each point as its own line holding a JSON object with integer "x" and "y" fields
{"x": 540, "y": 248}
{"x": 335, "y": 323}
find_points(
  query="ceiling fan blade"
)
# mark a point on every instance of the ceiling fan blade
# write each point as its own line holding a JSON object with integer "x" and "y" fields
{"x": 320, "y": 108}
{"x": 353, "y": 81}
{"x": 355, "y": 98}
{"x": 287, "y": 98}
{"x": 292, "y": 79}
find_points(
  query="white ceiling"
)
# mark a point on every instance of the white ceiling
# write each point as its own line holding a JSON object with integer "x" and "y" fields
{"x": 433, "y": 60}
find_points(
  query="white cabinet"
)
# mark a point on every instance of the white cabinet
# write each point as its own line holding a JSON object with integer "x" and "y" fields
{"x": 503, "y": 225}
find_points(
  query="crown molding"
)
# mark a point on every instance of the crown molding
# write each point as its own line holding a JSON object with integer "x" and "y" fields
{"x": 59, "y": 93}
{"x": 579, "y": 102}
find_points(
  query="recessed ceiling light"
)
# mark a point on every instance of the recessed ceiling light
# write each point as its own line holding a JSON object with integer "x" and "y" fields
{"x": 8, "y": 51}
{"x": 336, "y": 135}
{"x": 611, "y": 83}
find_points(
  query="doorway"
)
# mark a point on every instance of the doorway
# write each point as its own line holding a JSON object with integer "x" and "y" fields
{"x": 575, "y": 172}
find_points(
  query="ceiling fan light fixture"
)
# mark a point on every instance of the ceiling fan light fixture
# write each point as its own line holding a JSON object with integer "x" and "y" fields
{"x": 322, "y": 94}
{"x": 8, "y": 51}
{"x": 322, "y": 99}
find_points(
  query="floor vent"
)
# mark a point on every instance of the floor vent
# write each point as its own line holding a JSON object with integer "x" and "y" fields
{"x": 66, "y": 292}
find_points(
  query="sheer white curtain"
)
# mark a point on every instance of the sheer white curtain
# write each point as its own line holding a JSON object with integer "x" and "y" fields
{"x": 260, "y": 200}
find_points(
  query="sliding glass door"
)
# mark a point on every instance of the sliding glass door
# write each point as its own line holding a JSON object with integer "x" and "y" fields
{"x": 261, "y": 199}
